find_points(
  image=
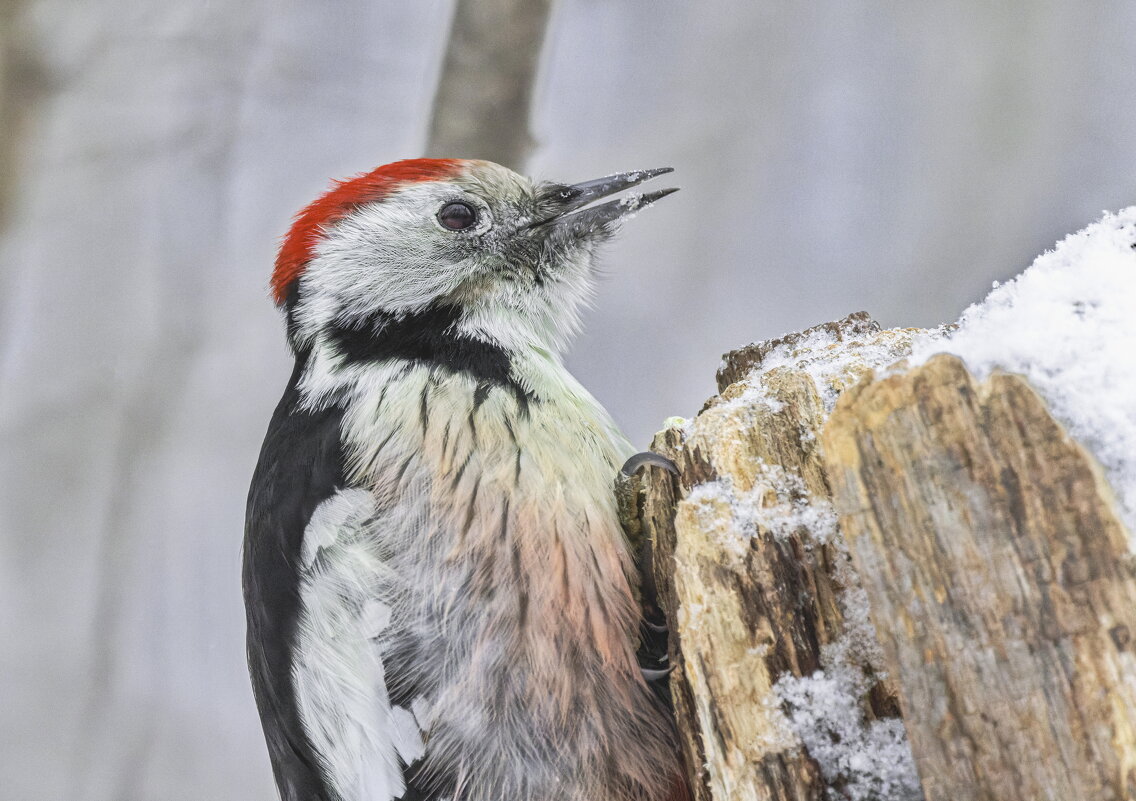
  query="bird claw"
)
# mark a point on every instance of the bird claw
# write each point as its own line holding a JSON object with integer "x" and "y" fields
{"x": 655, "y": 675}
{"x": 632, "y": 465}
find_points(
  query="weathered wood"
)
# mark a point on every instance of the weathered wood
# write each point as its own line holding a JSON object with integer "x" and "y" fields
{"x": 752, "y": 572}
{"x": 1001, "y": 584}
{"x": 653, "y": 494}
{"x": 738, "y": 364}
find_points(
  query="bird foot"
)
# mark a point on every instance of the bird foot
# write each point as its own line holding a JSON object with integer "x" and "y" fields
{"x": 639, "y": 460}
{"x": 655, "y": 675}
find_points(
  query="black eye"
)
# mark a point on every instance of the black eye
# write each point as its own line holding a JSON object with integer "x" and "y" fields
{"x": 457, "y": 216}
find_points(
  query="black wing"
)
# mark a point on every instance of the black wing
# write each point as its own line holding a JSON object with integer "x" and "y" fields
{"x": 300, "y": 466}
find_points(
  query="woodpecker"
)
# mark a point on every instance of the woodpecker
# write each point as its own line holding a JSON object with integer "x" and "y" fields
{"x": 441, "y": 604}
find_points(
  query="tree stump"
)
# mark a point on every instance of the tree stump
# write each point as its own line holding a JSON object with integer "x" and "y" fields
{"x": 984, "y": 541}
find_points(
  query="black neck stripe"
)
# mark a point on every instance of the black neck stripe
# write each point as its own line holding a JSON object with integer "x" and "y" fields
{"x": 428, "y": 337}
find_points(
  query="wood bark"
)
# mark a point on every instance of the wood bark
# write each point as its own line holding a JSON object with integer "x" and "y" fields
{"x": 1000, "y": 581}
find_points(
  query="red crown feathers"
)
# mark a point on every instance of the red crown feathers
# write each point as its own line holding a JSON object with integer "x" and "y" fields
{"x": 339, "y": 201}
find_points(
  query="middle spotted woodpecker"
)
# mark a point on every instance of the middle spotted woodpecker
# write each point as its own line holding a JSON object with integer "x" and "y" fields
{"x": 440, "y": 600}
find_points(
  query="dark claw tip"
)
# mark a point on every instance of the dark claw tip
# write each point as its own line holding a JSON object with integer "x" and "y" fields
{"x": 632, "y": 465}
{"x": 655, "y": 675}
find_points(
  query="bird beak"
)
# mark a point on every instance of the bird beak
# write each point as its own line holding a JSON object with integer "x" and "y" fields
{"x": 568, "y": 202}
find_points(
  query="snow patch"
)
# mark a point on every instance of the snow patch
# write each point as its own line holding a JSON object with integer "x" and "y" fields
{"x": 860, "y": 760}
{"x": 778, "y": 503}
{"x": 1068, "y": 324}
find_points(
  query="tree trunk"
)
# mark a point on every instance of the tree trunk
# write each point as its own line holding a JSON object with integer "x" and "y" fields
{"x": 983, "y": 540}
{"x": 481, "y": 109}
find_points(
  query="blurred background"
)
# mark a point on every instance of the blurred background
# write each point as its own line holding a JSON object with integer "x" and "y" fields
{"x": 834, "y": 155}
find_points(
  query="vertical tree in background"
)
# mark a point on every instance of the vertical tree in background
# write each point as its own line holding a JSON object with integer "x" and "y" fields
{"x": 481, "y": 109}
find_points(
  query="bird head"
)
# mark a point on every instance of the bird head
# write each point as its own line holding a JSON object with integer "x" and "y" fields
{"x": 507, "y": 259}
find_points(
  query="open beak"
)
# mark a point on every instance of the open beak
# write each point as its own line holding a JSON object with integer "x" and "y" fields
{"x": 568, "y": 202}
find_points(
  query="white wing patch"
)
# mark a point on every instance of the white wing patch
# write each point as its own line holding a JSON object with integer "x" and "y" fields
{"x": 408, "y": 738}
{"x": 345, "y": 512}
{"x": 337, "y": 668}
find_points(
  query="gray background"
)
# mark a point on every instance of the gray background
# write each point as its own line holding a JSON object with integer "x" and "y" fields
{"x": 834, "y": 155}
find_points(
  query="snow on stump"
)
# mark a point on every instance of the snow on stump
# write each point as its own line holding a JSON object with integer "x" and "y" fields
{"x": 862, "y": 527}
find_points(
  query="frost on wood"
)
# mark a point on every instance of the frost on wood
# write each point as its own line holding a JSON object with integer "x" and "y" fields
{"x": 834, "y": 355}
{"x": 766, "y": 611}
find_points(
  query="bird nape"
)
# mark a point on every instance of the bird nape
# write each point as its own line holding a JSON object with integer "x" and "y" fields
{"x": 441, "y": 602}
